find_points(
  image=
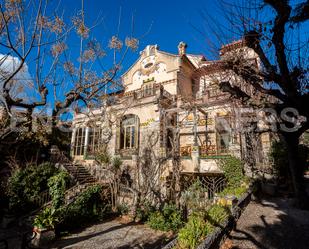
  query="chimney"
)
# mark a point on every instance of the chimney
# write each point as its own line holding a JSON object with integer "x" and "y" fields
{"x": 182, "y": 48}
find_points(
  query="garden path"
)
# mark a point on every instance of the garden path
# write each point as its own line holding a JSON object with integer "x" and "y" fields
{"x": 112, "y": 234}
{"x": 271, "y": 223}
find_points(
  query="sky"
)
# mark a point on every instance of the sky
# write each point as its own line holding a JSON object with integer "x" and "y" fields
{"x": 166, "y": 23}
{"x": 160, "y": 22}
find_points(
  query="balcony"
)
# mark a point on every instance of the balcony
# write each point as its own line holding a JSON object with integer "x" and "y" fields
{"x": 213, "y": 95}
{"x": 155, "y": 90}
{"x": 205, "y": 151}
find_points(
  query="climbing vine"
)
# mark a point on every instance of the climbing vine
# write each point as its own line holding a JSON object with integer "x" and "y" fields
{"x": 57, "y": 185}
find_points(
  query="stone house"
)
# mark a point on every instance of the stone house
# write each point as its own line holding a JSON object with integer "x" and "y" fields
{"x": 170, "y": 103}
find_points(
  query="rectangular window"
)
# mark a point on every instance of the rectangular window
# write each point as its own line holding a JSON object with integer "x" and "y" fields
{"x": 128, "y": 137}
{"x": 148, "y": 89}
{"x": 95, "y": 140}
{"x": 79, "y": 142}
{"x": 128, "y": 133}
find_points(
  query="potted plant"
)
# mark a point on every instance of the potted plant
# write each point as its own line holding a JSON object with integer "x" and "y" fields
{"x": 44, "y": 226}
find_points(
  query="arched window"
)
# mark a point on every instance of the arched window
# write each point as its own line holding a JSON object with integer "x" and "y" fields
{"x": 128, "y": 134}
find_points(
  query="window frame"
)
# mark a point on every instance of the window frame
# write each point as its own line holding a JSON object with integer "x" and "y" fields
{"x": 79, "y": 142}
{"x": 94, "y": 140}
{"x": 128, "y": 138}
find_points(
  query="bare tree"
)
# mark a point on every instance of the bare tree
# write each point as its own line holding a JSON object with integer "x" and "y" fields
{"x": 275, "y": 31}
{"x": 38, "y": 70}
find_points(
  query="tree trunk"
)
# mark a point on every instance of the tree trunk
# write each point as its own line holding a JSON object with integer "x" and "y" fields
{"x": 296, "y": 169}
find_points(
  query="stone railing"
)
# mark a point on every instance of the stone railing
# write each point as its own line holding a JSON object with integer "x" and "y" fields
{"x": 156, "y": 89}
{"x": 142, "y": 93}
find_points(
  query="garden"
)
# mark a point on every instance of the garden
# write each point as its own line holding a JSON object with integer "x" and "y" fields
{"x": 197, "y": 218}
{"x": 189, "y": 222}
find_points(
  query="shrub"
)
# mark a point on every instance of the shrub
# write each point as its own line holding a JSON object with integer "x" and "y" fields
{"x": 194, "y": 231}
{"x": 116, "y": 162}
{"x": 26, "y": 183}
{"x": 216, "y": 214}
{"x": 194, "y": 196}
{"x": 169, "y": 218}
{"x": 103, "y": 157}
{"x": 123, "y": 209}
{"x": 156, "y": 221}
{"x": 57, "y": 185}
{"x": 235, "y": 191}
{"x": 89, "y": 206}
{"x": 201, "y": 224}
{"x": 144, "y": 211}
{"x": 48, "y": 218}
{"x": 233, "y": 171}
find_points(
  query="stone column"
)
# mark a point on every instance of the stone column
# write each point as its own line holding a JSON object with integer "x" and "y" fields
{"x": 86, "y": 141}
{"x": 73, "y": 142}
{"x": 195, "y": 155}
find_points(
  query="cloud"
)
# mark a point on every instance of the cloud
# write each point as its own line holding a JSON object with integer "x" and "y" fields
{"x": 22, "y": 85}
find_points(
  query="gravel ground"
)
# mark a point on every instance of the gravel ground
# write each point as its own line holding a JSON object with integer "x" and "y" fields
{"x": 113, "y": 234}
{"x": 271, "y": 223}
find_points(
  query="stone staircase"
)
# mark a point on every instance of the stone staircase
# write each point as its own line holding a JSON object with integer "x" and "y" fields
{"x": 82, "y": 180}
{"x": 72, "y": 193}
{"x": 81, "y": 176}
{"x": 80, "y": 173}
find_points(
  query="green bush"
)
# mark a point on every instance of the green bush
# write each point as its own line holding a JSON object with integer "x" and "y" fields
{"x": 89, "y": 206}
{"x": 156, "y": 221}
{"x": 216, "y": 214}
{"x": 26, "y": 183}
{"x": 144, "y": 211}
{"x": 233, "y": 171}
{"x": 48, "y": 218}
{"x": 123, "y": 209}
{"x": 194, "y": 231}
{"x": 57, "y": 185}
{"x": 169, "y": 218}
{"x": 235, "y": 191}
{"x": 201, "y": 224}
{"x": 194, "y": 197}
{"x": 237, "y": 182}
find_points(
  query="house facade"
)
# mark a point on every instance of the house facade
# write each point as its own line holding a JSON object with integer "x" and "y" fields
{"x": 171, "y": 109}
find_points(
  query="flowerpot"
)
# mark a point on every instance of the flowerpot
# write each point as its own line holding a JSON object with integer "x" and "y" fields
{"x": 43, "y": 236}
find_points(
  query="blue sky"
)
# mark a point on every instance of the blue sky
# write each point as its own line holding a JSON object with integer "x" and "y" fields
{"x": 165, "y": 23}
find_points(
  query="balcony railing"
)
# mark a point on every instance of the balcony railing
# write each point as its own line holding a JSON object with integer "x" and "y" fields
{"x": 156, "y": 89}
{"x": 205, "y": 150}
{"x": 214, "y": 94}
